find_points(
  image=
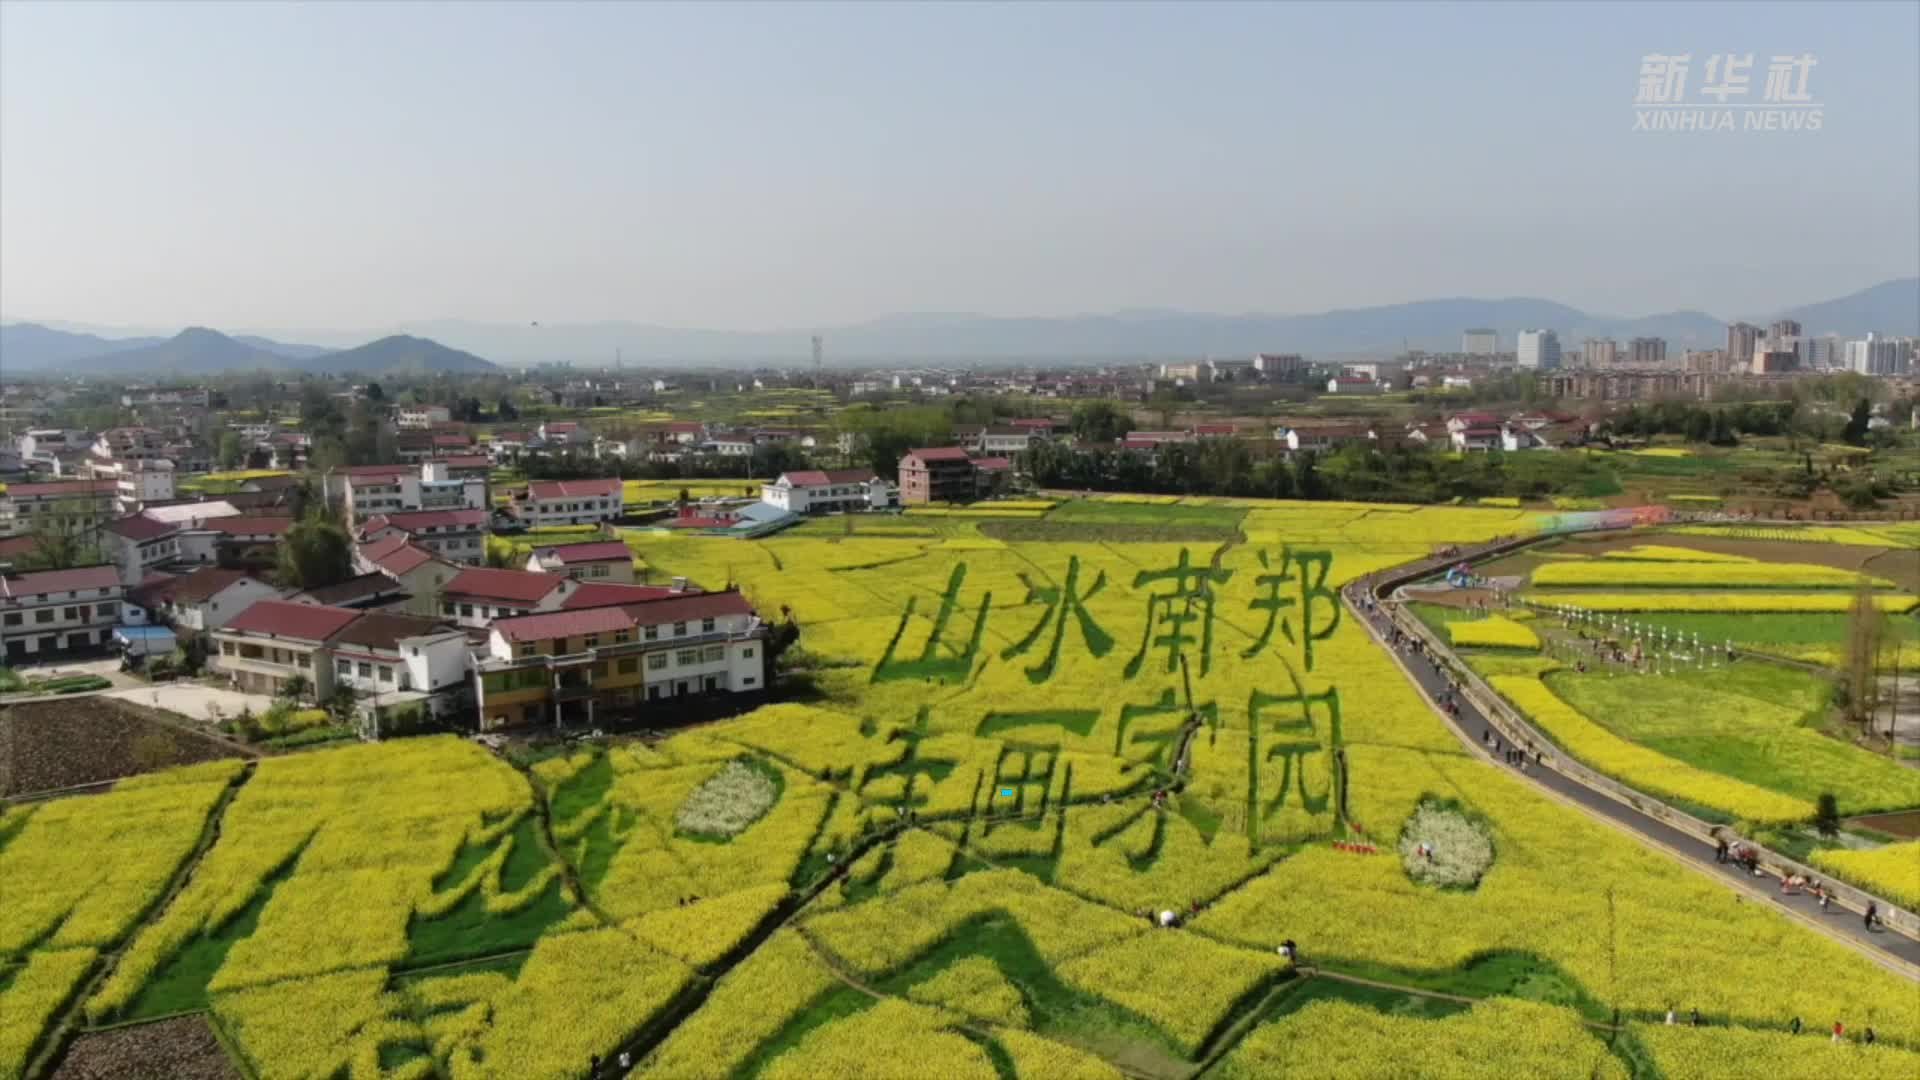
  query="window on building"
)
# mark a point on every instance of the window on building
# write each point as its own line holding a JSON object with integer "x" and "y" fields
{"x": 652, "y": 633}
{"x": 449, "y": 608}
{"x": 466, "y": 609}
{"x": 621, "y": 637}
{"x": 706, "y": 625}
{"x": 13, "y": 618}
{"x": 226, "y": 648}
{"x": 386, "y": 673}
{"x": 746, "y": 653}
{"x": 44, "y": 615}
{"x": 527, "y": 649}
{"x": 687, "y": 657}
{"x": 591, "y": 641}
{"x": 679, "y": 629}
{"x": 748, "y": 681}
{"x": 629, "y": 665}
{"x": 343, "y": 667}
{"x": 70, "y": 613}
{"x": 713, "y": 654}
{"x": 656, "y": 661}
{"x": 365, "y": 669}
{"x": 304, "y": 660}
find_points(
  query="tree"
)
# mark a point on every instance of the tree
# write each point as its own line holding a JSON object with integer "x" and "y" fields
{"x": 295, "y": 688}
{"x": 1099, "y": 422}
{"x": 375, "y": 392}
{"x": 314, "y": 553}
{"x": 232, "y": 453}
{"x": 65, "y": 535}
{"x": 1855, "y": 433}
{"x": 1826, "y": 816}
{"x": 504, "y": 409}
{"x": 1865, "y": 624}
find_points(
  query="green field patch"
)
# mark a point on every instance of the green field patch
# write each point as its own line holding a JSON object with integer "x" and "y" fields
{"x": 470, "y": 929}
{"x": 180, "y": 984}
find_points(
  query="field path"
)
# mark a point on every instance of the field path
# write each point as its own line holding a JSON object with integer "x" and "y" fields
{"x": 1893, "y": 951}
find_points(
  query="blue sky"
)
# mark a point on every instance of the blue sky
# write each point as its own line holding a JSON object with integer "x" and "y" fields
{"x": 757, "y": 166}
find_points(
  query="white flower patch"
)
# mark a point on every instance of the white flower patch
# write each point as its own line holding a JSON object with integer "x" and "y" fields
{"x": 1444, "y": 847}
{"x": 734, "y": 798}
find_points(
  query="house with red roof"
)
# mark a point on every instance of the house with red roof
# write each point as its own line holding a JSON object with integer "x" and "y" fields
{"x": 455, "y": 535}
{"x": 138, "y": 545}
{"x": 78, "y": 504}
{"x": 46, "y": 612}
{"x": 477, "y": 596}
{"x": 433, "y": 485}
{"x": 420, "y": 572}
{"x": 821, "y": 491}
{"x": 242, "y": 539}
{"x": 399, "y": 663}
{"x": 562, "y": 432}
{"x": 273, "y": 641}
{"x": 569, "y": 502}
{"x": 204, "y": 600}
{"x": 595, "y": 560}
{"x": 592, "y": 665}
{"x": 936, "y": 474}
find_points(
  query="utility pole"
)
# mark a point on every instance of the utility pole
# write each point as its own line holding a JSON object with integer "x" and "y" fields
{"x": 819, "y": 351}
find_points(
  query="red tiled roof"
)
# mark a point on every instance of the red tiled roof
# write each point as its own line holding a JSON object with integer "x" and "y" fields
{"x": 409, "y": 520}
{"x": 395, "y": 554}
{"x": 452, "y": 440}
{"x": 992, "y": 464}
{"x": 590, "y": 551}
{"x": 681, "y": 608}
{"x": 13, "y": 546}
{"x": 249, "y": 526}
{"x": 508, "y": 436}
{"x": 62, "y": 487}
{"x": 286, "y": 619}
{"x": 823, "y": 477}
{"x": 153, "y": 589}
{"x": 593, "y": 594}
{"x": 572, "y": 489}
{"x": 564, "y": 426}
{"x": 383, "y": 630}
{"x": 690, "y": 426}
{"x": 938, "y": 453}
{"x": 1213, "y": 429}
{"x": 467, "y": 461}
{"x": 520, "y": 586}
{"x": 203, "y": 583}
{"x": 37, "y": 582}
{"x": 378, "y": 470}
{"x": 140, "y": 527}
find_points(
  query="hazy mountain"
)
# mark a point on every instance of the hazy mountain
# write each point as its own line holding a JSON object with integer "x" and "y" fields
{"x": 399, "y": 353}
{"x": 32, "y": 347}
{"x": 193, "y": 351}
{"x": 1891, "y": 308}
{"x": 290, "y": 351}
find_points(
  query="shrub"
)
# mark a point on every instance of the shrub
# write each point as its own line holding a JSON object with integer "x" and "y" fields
{"x": 1460, "y": 848}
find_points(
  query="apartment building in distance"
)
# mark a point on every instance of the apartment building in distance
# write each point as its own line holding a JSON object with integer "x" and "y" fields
{"x": 421, "y": 417}
{"x": 937, "y": 474}
{"x": 595, "y": 560}
{"x": 1538, "y": 350}
{"x": 1599, "y": 352}
{"x": 566, "y": 667}
{"x": 432, "y": 485}
{"x": 816, "y": 491}
{"x": 1647, "y": 352}
{"x": 1742, "y": 338}
{"x": 139, "y": 545}
{"x": 1480, "y": 341}
{"x": 48, "y": 612}
{"x": 569, "y": 502}
{"x": 59, "y": 506}
{"x": 456, "y": 535}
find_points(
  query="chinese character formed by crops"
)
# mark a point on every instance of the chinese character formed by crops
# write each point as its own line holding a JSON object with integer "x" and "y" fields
{"x": 1173, "y": 613}
{"x": 1285, "y": 727}
{"x": 931, "y": 664}
{"x": 1312, "y": 569}
{"x": 1061, "y": 602}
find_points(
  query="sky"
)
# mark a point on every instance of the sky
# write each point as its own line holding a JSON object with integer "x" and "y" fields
{"x": 739, "y": 166}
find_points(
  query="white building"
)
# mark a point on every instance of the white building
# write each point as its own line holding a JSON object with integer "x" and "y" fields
{"x": 456, "y": 535}
{"x": 1874, "y": 355}
{"x": 399, "y": 661}
{"x": 138, "y": 545}
{"x": 206, "y": 599}
{"x": 137, "y": 482}
{"x": 1539, "y": 350}
{"x": 390, "y": 489}
{"x": 422, "y": 417}
{"x": 1480, "y": 342}
{"x": 52, "y": 611}
{"x": 815, "y": 491}
{"x": 569, "y": 502}
{"x": 1600, "y": 352}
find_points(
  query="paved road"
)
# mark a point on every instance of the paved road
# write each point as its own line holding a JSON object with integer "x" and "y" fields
{"x": 191, "y": 699}
{"x": 1471, "y": 724}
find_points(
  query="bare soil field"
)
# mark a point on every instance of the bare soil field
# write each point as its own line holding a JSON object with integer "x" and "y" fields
{"x": 179, "y": 1049}
{"x": 1905, "y": 823}
{"x": 55, "y": 744}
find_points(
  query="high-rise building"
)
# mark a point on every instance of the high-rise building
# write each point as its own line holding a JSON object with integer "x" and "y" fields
{"x": 1874, "y": 355}
{"x": 1600, "y": 352}
{"x": 1771, "y": 362}
{"x": 1825, "y": 353}
{"x": 1647, "y": 352}
{"x": 1782, "y": 329}
{"x": 1538, "y": 349}
{"x": 1480, "y": 342}
{"x": 1741, "y": 339}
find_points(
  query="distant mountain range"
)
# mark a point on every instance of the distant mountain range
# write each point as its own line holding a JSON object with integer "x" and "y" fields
{"x": 1889, "y": 308}
{"x": 29, "y": 347}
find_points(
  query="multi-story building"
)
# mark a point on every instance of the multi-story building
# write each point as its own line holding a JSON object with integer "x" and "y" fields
{"x": 476, "y": 597}
{"x": 814, "y": 491}
{"x": 240, "y": 540}
{"x": 567, "y": 667}
{"x": 569, "y": 502}
{"x": 1783, "y": 330}
{"x": 1480, "y": 341}
{"x": 456, "y": 535}
{"x": 46, "y": 612}
{"x": 421, "y": 417}
{"x": 420, "y": 572}
{"x": 1742, "y": 338}
{"x": 63, "y": 506}
{"x": 1538, "y": 350}
{"x": 1647, "y": 352}
{"x": 1599, "y": 352}
{"x": 1001, "y": 441}
{"x": 205, "y": 600}
{"x": 129, "y": 443}
{"x": 936, "y": 474}
{"x": 432, "y": 485}
{"x": 1772, "y": 362}
{"x": 595, "y": 560}
{"x": 562, "y": 432}
{"x": 139, "y": 545}
{"x": 137, "y": 482}
{"x": 1279, "y": 365}
{"x": 274, "y": 641}
{"x": 400, "y": 661}
{"x": 1875, "y": 355}
{"x": 1191, "y": 372}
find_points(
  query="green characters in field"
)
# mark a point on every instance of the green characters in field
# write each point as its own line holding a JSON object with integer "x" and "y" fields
{"x": 1285, "y": 727}
{"x": 1175, "y": 612}
{"x": 1313, "y": 568}
{"x": 1061, "y": 601}
{"x": 930, "y": 664}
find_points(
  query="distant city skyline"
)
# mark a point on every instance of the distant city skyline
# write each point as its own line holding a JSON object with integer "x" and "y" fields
{"x": 767, "y": 167}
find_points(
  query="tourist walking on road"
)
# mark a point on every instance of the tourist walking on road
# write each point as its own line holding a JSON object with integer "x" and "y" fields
{"x": 1873, "y": 912}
